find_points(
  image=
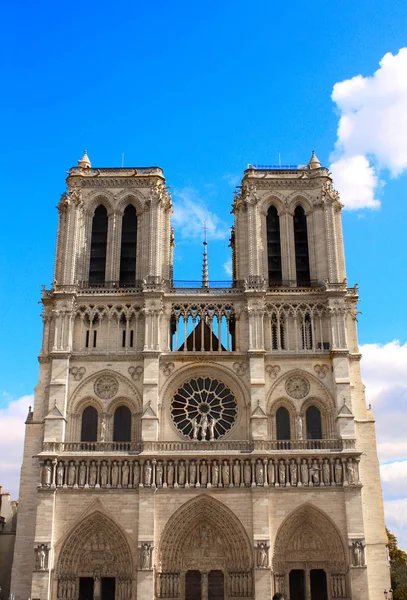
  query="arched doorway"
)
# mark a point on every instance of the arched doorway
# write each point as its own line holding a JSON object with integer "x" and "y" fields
{"x": 309, "y": 561}
{"x": 95, "y": 562}
{"x": 204, "y": 553}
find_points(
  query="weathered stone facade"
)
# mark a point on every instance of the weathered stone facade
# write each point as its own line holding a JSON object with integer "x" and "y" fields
{"x": 200, "y": 442}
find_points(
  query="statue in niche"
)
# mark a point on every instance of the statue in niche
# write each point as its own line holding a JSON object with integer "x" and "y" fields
{"x": 82, "y": 474}
{"x": 204, "y": 473}
{"x": 103, "y": 429}
{"x": 247, "y": 473}
{"x": 115, "y": 474}
{"x": 92, "y": 474}
{"x": 350, "y": 467}
{"x": 47, "y": 473}
{"x": 262, "y": 555}
{"x": 192, "y": 473}
{"x": 145, "y": 552}
{"x": 299, "y": 427}
{"x": 204, "y": 427}
{"x": 281, "y": 473}
{"x": 338, "y": 471}
{"x": 42, "y": 557}
{"x": 212, "y": 424}
{"x": 71, "y": 473}
{"x": 170, "y": 474}
{"x": 125, "y": 474}
{"x": 259, "y": 472}
{"x": 326, "y": 472}
{"x": 225, "y": 473}
{"x": 304, "y": 472}
{"x": 195, "y": 428}
{"x": 148, "y": 470}
{"x": 181, "y": 473}
{"x": 293, "y": 473}
{"x": 271, "y": 473}
{"x": 97, "y": 586}
{"x": 103, "y": 474}
{"x": 357, "y": 553}
{"x": 215, "y": 474}
{"x": 136, "y": 474}
{"x": 159, "y": 474}
{"x": 236, "y": 473}
{"x": 60, "y": 473}
{"x": 314, "y": 473}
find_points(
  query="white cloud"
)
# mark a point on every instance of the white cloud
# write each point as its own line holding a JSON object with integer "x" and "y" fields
{"x": 12, "y": 430}
{"x": 228, "y": 267}
{"x": 190, "y": 214}
{"x": 372, "y": 130}
{"x": 232, "y": 179}
{"x": 396, "y": 519}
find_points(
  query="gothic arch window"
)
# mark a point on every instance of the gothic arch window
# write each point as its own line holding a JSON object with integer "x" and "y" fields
{"x": 301, "y": 247}
{"x": 306, "y": 332}
{"x": 273, "y": 247}
{"x": 98, "y": 247}
{"x": 313, "y": 423}
{"x": 89, "y": 428}
{"x": 283, "y": 429}
{"x": 277, "y": 332}
{"x": 122, "y": 424}
{"x": 128, "y": 247}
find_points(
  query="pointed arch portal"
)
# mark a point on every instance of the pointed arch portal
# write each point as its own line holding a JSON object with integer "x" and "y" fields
{"x": 204, "y": 551}
{"x": 95, "y": 556}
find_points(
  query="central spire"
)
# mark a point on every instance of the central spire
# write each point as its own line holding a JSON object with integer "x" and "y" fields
{"x": 205, "y": 274}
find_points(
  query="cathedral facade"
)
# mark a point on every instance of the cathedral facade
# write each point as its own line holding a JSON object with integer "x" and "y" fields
{"x": 202, "y": 442}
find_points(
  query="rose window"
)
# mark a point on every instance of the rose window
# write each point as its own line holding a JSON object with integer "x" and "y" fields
{"x": 204, "y": 409}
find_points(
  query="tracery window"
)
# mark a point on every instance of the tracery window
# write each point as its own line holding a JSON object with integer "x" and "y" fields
{"x": 273, "y": 247}
{"x": 306, "y": 332}
{"x": 98, "y": 247}
{"x": 128, "y": 247}
{"x": 313, "y": 423}
{"x": 204, "y": 409}
{"x": 277, "y": 332}
{"x": 301, "y": 247}
{"x": 89, "y": 428}
{"x": 122, "y": 424}
{"x": 283, "y": 429}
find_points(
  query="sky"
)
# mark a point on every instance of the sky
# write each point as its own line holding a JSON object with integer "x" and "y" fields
{"x": 202, "y": 90}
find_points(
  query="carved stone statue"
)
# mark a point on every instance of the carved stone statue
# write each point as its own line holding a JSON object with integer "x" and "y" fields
{"x": 259, "y": 472}
{"x": 299, "y": 427}
{"x": 314, "y": 473}
{"x": 225, "y": 473}
{"x": 212, "y": 424}
{"x": 247, "y": 473}
{"x": 262, "y": 555}
{"x": 293, "y": 473}
{"x": 159, "y": 474}
{"x": 350, "y": 468}
{"x": 92, "y": 474}
{"x": 145, "y": 552}
{"x": 170, "y": 474}
{"x": 71, "y": 473}
{"x": 103, "y": 474}
{"x": 215, "y": 474}
{"x": 204, "y": 427}
{"x": 271, "y": 473}
{"x": 304, "y": 472}
{"x": 47, "y": 473}
{"x": 204, "y": 473}
{"x": 357, "y": 554}
{"x": 181, "y": 473}
{"x": 192, "y": 473}
{"x": 115, "y": 474}
{"x": 326, "y": 472}
{"x": 97, "y": 586}
{"x": 60, "y": 473}
{"x": 236, "y": 473}
{"x": 103, "y": 429}
{"x": 42, "y": 557}
{"x": 195, "y": 428}
{"x": 82, "y": 474}
{"x": 148, "y": 470}
{"x": 136, "y": 474}
{"x": 281, "y": 473}
{"x": 338, "y": 471}
{"x": 125, "y": 474}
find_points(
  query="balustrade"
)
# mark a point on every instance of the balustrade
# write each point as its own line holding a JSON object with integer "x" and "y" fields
{"x": 220, "y": 472}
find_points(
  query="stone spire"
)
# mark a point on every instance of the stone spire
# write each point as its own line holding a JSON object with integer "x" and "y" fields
{"x": 314, "y": 162}
{"x": 205, "y": 273}
{"x": 84, "y": 163}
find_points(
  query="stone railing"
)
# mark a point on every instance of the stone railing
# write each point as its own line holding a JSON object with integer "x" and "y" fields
{"x": 217, "y": 472}
{"x": 199, "y": 446}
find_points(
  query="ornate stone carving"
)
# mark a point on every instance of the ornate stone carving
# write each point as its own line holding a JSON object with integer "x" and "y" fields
{"x": 321, "y": 370}
{"x": 145, "y": 556}
{"x": 262, "y": 555}
{"x": 77, "y": 372}
{"x": 358, "y": 554}
{"x": 106, "y": 387}
{"x": 240, "y": 368}
{"x": 273, "y": 370}
{"x": 135, "y": 372}
{"x": 297, "y": 387}
{"x": 168, "y": 368}
{"x": 41, "y": 557}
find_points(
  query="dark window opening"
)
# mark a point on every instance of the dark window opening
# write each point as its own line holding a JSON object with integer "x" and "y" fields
{"x": 128, "y": 247}
{"x": 94, "y": 338}
{"x": 319, "y": 589}
{"x": 301, "y": 248}
{"x": 297, "y": 584}
{"x": 122, "y": 425}
{"x": 89, "y": 430}
{"x": 108, "y": 588}
{"x": 193, "y": 585}
{"x": 87, "y": 338}
{"x": 85, "y": 588}
{"x": 314, "y": 423}
{"x": 306, "y": 333}
{"x": 98, "y": 247}
{"x": 283, "y": 428}
{"x": 131, "y": 338}
{"x": 123, "y": 338}
{"x": 216, "y": 585}
{"x": 274, "y": 247}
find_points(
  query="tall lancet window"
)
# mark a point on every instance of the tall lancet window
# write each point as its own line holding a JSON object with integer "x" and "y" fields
{"x": 128, "y": 247}
{"x": 273, "y": 246}
{"x": 301, "y": 247}
{"x": 98, "y": 246}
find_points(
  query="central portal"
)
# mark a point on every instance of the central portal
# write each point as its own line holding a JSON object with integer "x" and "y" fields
{"x": 97, "y": 589}
{"x": 204, "y": 586}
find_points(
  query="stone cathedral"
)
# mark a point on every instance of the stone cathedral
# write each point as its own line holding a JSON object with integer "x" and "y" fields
{"x": 201, "y": 441}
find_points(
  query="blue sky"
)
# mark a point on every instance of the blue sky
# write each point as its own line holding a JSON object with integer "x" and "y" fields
{"x": 201, "y": 90}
